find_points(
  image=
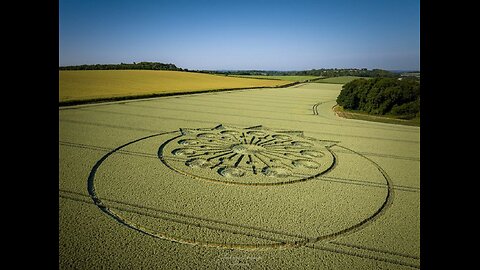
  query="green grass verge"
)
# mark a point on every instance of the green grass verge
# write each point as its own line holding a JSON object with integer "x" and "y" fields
{"x": 390, "y": 119}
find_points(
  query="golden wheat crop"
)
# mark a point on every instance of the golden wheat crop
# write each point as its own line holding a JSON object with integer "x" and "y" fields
{"x": 94, "y": 84}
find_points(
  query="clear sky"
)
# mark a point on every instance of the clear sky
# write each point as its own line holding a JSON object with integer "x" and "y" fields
{"x": 245, "y": 34}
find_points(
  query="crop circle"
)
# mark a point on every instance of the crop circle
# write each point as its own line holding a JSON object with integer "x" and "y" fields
{"x": 134, "y": 190}
{"x": 248, "y": 156}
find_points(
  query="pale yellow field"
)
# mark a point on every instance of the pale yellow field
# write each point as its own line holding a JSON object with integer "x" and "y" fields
{"x": 228, "y": 180}
{"x": 94, "y": 84}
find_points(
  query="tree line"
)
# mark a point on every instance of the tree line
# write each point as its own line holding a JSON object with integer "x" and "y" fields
{"x": 382, "y": 96}
{"x": 140, "y": 65}
{"x": 323, "y": 72}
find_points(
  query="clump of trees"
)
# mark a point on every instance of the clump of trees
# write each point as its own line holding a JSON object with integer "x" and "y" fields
{"x": 382, "y": 96}
{"x": 140, "y": 65}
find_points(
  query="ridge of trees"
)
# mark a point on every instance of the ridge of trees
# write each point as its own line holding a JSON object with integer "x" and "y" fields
{"x": 140, "y": 65}
{"x": 323, "y": 72}
{"x": 382, "y": 96}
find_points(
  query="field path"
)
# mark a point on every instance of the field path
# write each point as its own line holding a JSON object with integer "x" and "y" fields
{"x": 263, "y": 178}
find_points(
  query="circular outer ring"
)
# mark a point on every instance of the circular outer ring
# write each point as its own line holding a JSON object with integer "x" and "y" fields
{"x": 249, "y": 247}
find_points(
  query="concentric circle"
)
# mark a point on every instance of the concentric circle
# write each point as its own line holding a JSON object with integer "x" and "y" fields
{"x": 145, "y": 195}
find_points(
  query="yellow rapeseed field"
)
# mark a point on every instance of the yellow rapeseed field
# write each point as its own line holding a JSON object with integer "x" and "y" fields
{"x": 95, "y": 84}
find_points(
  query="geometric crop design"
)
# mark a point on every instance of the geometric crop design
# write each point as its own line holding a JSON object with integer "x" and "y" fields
{"x": 173, "y": 185}
{"x": 247, "y": 156}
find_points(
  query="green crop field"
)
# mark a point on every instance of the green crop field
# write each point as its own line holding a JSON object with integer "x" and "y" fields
{"x": 267, "y": 178}
{"x": 340, "y": 79}
{"x": 284, "y": 78}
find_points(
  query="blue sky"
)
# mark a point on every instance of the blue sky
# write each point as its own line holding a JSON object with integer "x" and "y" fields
{"x": 268, "y": 35}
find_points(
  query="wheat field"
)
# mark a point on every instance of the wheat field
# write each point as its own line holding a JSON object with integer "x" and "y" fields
{"x": 98, "y": 84}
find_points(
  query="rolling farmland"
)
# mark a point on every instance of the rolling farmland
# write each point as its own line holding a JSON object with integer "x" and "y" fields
{"x": 266, "y": 178}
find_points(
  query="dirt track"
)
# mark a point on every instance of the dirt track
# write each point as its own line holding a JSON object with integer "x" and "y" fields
{"x": 228, "y": 180}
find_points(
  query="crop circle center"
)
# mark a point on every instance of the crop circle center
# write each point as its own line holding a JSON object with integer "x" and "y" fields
{"x": 246, "y": 149}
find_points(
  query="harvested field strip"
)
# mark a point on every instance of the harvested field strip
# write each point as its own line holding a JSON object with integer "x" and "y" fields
{"x": 215, "y": 122}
